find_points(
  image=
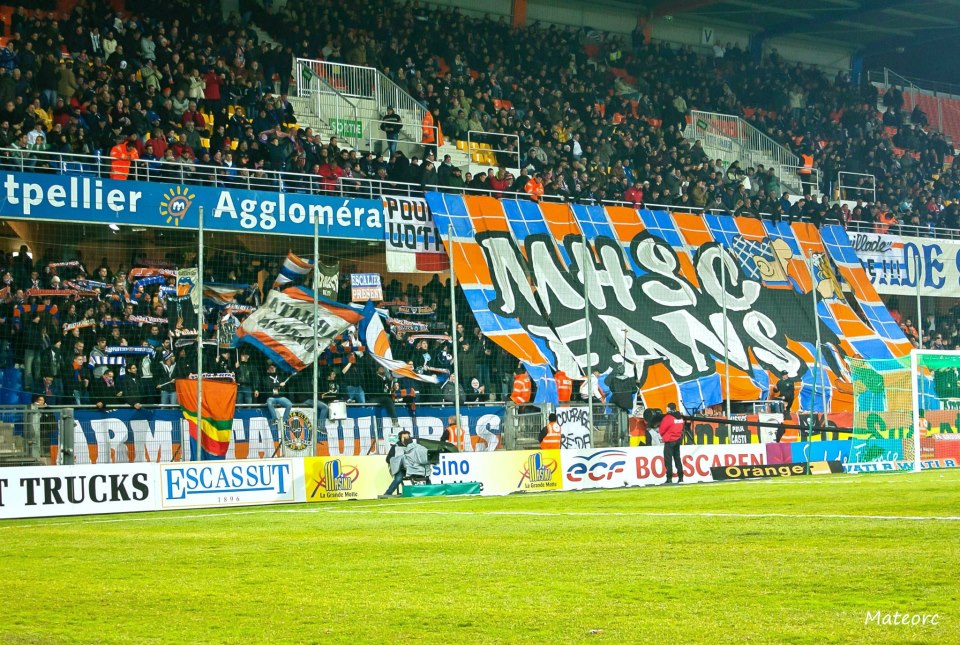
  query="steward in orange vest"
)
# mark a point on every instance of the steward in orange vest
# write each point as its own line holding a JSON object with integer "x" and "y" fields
{"x": 534, "y": 188}
{"x": 428, "y": 134}
{"x": 122, "y": 154}
{"x": 522, "y": 386}
{"x": 807, "y": 165}
{"x": 453, "y": 433}
{"x": 564, "y": 386}
{"x": 550, "y": 434}
{"x": 885, "y": 220}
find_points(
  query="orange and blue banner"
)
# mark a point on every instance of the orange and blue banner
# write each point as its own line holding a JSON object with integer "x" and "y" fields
{"x": 658, "y": 284}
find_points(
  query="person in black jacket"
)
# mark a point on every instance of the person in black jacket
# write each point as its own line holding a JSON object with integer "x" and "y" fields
{"x": 275, "y": 387}
{"x": 786, "y": 388}
{"x": 51, "y": 389}
{"x": 132, "y": 387}
{"x": 382, "y": 392}
{"x": 391, "y": 125}
{"x": 104, "y": 392}
{"x": 248, "y": 380}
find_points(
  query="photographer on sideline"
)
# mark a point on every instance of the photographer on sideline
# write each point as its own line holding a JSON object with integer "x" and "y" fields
{"x": 396, "y": 462}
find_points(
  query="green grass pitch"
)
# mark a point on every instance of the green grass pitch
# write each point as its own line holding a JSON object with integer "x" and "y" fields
{"x": 781, "y": 561}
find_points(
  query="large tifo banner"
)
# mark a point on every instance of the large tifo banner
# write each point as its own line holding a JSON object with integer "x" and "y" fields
{"x": 659, "y": 284}
{"x": 126, "y": 435}
{"x": 87, "y": 198}
{"x": 892, "y": 261}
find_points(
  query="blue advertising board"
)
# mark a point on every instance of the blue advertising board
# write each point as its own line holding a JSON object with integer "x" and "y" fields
{"x": 125, "y": 434}
{"x": 90, "y": 199}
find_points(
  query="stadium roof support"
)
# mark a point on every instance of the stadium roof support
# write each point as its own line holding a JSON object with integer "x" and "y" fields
{"x": 845, "y": 13}
{"x": 675, "y": 7}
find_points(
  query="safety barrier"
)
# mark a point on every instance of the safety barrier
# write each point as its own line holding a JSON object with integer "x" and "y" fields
{"x": 99, "y": 166}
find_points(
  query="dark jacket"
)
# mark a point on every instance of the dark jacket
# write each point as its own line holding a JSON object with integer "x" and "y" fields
{"x": 133, "y": 389}
{"x": 101, "y": 392}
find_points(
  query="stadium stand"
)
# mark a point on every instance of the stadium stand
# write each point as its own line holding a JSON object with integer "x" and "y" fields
{"x": 174, "y": 92}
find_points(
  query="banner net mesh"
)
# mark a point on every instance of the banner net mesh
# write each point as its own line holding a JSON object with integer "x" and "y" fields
{"x": 883, "y": 416}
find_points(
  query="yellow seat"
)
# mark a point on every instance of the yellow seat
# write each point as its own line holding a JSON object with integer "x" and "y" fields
{"x": 146, "y": 137}
{"x": 205, "y": 143}
{"x": 461, "y": 145}
{"x": 234, "y": 144}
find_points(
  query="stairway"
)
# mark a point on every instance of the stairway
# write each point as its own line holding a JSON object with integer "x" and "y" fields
{"x": 730, "y": 138}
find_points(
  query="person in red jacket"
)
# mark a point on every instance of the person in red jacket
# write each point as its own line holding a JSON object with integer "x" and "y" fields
{"x": 500, "y": 182}
{"x": 634, "y": 194}
{"x": 671, "y": 431}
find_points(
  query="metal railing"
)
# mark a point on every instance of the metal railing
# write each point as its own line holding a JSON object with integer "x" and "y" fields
{"x": 338, "y": 112}
{"x": 272, "y": 180}
{"x": 358, "y": 82}
{"x": 943, "y": 97}
{"x": 350, "y": 80}
{"x": 477, "y": 138}
{"x": 27, "y": 434}
{"x": 101, "y": 166}
{"x": 741, "y": 140}
{"x": 855, "y": 190}
{"x": 809, "y": 179}
{"x": 888, "y": 76}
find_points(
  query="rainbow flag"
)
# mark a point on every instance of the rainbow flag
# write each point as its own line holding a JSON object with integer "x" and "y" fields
{"x": 219, "y": 401}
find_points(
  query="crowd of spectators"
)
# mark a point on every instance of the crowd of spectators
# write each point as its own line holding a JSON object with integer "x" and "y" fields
{"x": 940, "y": 329}
{"x": 598, "y": 117}
{"x": 119, "y": 335}
{"x": 601, "y": 118}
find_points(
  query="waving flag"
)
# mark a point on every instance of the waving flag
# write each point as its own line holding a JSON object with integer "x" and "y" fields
{"x": 216, "y": 419}
{"x": 222, "y": 293}
{"x": 294, "y": 268}
{"x": 374, "y": 337}
{"x": 283, "y": 328}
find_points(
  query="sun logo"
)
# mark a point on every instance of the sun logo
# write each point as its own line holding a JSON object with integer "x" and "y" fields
{"x": 176, "y": 204}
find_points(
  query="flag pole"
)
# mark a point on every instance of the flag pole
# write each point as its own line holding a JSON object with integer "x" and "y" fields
{"x": 453, "y": 319}
{"x": 200, "y": 337}
{"x": 919, "y": 311}
{"x": 816, "y": 360}
{"x": 586, "y": 318}
{"x": 726, "y": 350}
{"x": 316, "y": 340}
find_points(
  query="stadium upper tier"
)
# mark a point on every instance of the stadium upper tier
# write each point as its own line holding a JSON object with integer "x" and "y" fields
{"x": 597, "y": 119}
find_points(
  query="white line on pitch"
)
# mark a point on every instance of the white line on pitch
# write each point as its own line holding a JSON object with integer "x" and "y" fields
{"x": 828, "y": 516}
